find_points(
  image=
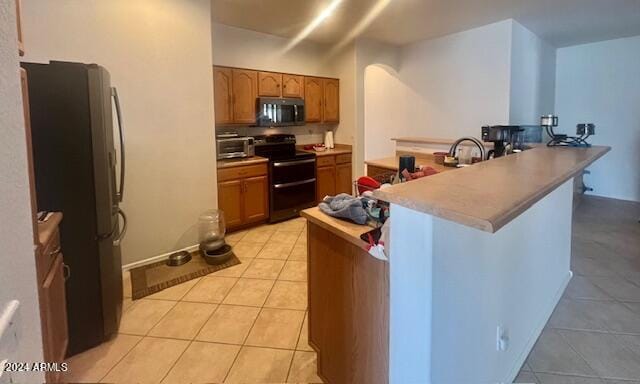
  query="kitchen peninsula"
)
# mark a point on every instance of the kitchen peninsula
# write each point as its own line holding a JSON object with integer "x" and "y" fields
{"x": 478, "y": 260}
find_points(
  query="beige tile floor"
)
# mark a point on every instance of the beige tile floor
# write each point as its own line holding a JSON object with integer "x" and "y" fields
{"x": 245, "y": 324}
{"x": 593, "y": 336}
{"x": 248, "y": 323}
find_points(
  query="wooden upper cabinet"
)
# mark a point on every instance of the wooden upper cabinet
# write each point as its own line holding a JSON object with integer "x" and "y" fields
{"x": 236, "y": 90}
{"x": 245, "y": 91}
{"x": 331, "y": 101}
{"x": 223, "y": 95}
{"x": 269, "y": 84}
{"x": 19, "y": 22}
{"x": 313, "y": 96}
{"x": 292, "y": 86}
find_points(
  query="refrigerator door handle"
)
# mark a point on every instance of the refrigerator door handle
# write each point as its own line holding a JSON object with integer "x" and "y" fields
{"x": 116, "y": 99}
{"x": 118, "y": 240}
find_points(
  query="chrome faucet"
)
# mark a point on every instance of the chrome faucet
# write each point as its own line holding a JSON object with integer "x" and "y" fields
{"x": 478, "y": 143}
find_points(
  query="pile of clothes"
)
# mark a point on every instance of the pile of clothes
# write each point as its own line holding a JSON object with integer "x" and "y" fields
{"x": 345, "y": 206}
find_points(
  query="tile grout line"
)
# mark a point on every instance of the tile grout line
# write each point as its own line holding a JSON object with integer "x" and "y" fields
{"x": 122, "y": 358}
{"x": 252, "y": 324}
{"x": 579, "y": 355}
{"x": 175, "y": 362}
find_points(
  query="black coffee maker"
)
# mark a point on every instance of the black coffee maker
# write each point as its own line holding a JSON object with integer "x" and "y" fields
{"x": 505, "y": 139}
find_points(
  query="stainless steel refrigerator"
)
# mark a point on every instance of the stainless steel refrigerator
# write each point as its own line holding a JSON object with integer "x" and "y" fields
{"x": 79, "y": 173}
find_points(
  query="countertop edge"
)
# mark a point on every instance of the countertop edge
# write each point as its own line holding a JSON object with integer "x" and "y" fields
{"x": 225, "y": 164}
{"x": 326, "y": 222}
{"x": 498, "y": 221}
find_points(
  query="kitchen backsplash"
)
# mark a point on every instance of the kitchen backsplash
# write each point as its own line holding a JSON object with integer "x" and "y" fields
{"x": 307, "y": 134}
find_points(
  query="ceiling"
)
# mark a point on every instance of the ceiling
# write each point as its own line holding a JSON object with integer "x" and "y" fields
{"x": 560, "y": 22}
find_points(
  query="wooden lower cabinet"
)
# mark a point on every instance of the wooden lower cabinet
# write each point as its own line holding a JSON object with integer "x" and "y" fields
{"x": 243, "y": 195}
{"x": 51, "y": 276}
{"x": 230, "y": 201}
{"x": 54, "y": 316}
{"x": 373, "y": 171}
{"x": 325, "y": 182}
{"x": 333, "y": 175}
{"x": 348, "y": 294}
{"x": 256, "y": 205}
{"x": 344, "y": 180}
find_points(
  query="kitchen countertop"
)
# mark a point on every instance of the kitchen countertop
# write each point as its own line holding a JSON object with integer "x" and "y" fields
{"x": 347, "y": 230}
{"x": 340, "y": 149}
{"x": 490, "y": 194}
{"x": 230, "y": 163}
{"x": 392, "y": 162}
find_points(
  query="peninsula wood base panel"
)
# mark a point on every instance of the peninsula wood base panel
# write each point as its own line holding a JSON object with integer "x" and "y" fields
{"x": 348, "y": 310}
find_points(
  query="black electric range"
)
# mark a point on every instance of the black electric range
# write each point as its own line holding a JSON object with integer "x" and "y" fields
{"x": 292, "y": 175}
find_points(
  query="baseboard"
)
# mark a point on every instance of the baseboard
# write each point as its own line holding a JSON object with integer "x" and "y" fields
{"x": 154, "y": 259}
{"x": 538, "y": 330}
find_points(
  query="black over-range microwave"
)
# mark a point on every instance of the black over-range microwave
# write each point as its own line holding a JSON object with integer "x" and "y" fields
{"x": 278, "y": 112}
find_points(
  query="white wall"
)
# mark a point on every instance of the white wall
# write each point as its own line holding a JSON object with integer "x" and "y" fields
{"x": 383, "y": 121}
{"x": 533, "y": 74}
{"x": 461, "y": 81}
{"x": 600, "y": 83}
{"x": 18, "y": 271}
{"x": 242, "y": 48}
{"x": 159, "y": 55}
{"x": 447, "y": 87}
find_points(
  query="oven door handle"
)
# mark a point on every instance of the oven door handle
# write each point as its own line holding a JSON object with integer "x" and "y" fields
{"x": 294, "y": 184}
{"x": 290, "y": 163}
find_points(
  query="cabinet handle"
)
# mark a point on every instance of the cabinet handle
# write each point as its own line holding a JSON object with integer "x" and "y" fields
{"x": 66, "y": 272}
{"x": 55, "y": 251}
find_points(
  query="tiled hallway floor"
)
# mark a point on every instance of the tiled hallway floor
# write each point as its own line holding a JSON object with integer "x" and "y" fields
{"x": 247, "y": 324}
{"x": 593, "y": 337}
{"x": 244, "y": 324}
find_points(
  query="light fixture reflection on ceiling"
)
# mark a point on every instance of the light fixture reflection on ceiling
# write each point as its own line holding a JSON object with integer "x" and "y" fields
{"x": 373, "y": 13}
{"x": 313, "y": 25}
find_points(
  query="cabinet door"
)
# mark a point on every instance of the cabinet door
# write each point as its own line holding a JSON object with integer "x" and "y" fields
{"x": 292, "y": 86}
{"x": 54, "y": 305}
{"x": 255, "y": 199}
{"x": 326, "y": 182}
{"x": 230, "y": 202}
{"x": 343, "y": 178}
{"x": 313, "y": 99}
{"x": 245, "y": 84}
{"x": 269, "y": 84}
{"x": 222, "y": 94}
{"x": 331, "y": 102}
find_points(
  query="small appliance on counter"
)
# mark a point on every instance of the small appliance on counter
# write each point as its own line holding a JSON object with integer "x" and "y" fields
{"x": 584, "y": 130}
{"x": 230, "y": 145}
{"x": 505, "y": 138}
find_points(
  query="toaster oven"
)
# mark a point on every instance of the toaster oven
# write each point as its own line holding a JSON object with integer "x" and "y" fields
{"x": 231, "y": 146}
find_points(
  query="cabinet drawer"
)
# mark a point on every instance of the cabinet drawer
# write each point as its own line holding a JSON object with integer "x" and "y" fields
{"x": 47, "y": 255}
{"x": 242, "y": 172}
{"x": 345, "y": 158}
{"x": 323, "y": 161}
